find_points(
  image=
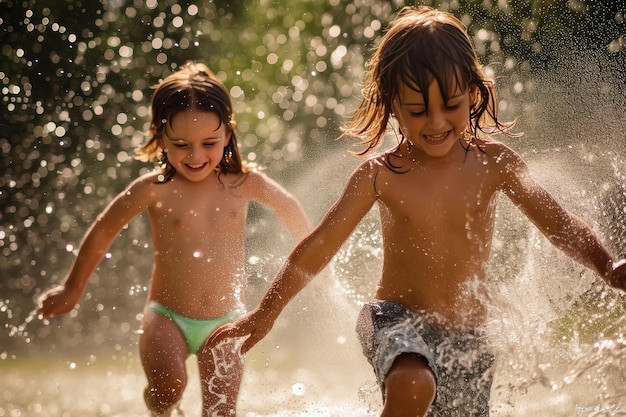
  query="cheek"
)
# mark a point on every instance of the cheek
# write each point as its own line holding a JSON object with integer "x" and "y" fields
{"x": 411, "y": 125}
{"x": 175, "y": 155}
{"x": 402, "y": 121}
{"x": 218, "y": 153}
{"x": 462, "y": 117}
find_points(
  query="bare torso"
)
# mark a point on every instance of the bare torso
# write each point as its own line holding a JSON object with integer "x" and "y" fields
{"x": 198, "y": 236}
{"x": 437, "y": 223}
{"x": 437, "y": 217}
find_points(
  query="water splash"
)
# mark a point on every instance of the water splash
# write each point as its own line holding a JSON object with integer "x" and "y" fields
{"x": 223, "y": 370}
{"x": 20, "y": 329}
{"x": 557, "y": 350}
{"x": 551, "y": 342}
{"x": 602, "y": 366}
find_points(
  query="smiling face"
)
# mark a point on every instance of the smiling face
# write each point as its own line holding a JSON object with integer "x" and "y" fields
{"x": 435, "y": 126}
{"x": 195, "y": 142}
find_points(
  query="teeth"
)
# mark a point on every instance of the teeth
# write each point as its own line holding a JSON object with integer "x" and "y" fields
{"x": 196, "y": 165}
{"x": 435, "y": 138}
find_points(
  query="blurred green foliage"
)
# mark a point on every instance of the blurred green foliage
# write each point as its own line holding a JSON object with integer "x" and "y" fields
{"x": 76, "y": 80}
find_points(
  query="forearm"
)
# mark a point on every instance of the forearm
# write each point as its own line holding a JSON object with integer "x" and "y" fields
{"x": 91, "y": 251}
{"x": 303, "y": 264}
{"x": 580, "y": 243}
{"x": 288, "y": 283}
{"x": 295, "y": 219}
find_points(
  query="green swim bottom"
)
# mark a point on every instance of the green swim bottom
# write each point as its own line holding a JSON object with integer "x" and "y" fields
{"x": 195, "y": 331}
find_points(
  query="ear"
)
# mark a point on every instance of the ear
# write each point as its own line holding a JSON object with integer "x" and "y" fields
{"x": 232, "y": 125}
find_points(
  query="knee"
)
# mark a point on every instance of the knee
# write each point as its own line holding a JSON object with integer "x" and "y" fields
{"x": 161, "y": 396}
{"x": 410, "y": 387}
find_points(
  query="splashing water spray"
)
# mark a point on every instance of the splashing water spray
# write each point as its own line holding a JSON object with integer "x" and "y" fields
{"x": 20, "y": 329}
{"x": 222, "y": 369}
{"x": 556, "y": 330}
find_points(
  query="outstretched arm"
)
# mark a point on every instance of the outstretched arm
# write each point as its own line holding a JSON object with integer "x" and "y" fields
{"x": 308, "y": 258}
{"x": 120, "y": 211}
{"x": 566, "y": 231}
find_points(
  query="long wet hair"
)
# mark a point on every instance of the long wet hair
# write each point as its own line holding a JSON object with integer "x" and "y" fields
{"x": 422, "y": 45}
{"x": 194, "y": 86}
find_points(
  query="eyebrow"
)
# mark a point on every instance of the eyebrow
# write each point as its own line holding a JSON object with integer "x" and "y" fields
{"x": 457, "y": 95}
{"x": 210, "y": 139}
{"x": 413, "y": 104}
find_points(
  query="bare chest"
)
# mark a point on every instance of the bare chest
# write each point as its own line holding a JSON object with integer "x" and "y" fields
{"x": 199, "y": 213}
{"x": 448, "y": 196}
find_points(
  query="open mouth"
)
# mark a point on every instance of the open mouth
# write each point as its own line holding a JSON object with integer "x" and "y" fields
{"x": 436, "y": 139}
{"x": 195, "y": 167}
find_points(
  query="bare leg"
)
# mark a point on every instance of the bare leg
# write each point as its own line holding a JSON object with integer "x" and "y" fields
{"x": 163, "y": 352}
{"x": 410, "y": 388}
{"x": 220, "y": 377}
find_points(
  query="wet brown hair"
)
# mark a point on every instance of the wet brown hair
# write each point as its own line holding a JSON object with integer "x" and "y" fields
{"x": 421, "y": 45}
{"x": 193, "y": 86}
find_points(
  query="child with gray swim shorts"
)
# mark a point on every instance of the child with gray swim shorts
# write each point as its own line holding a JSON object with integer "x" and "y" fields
{"x": 436, "y": 194}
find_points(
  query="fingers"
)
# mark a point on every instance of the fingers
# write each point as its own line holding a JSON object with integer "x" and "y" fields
{"x": 223, "y": 332}
{"x": 55, "y": 305}
{"x": 249, "y": 343}
{"x": 617, "y": 278}
{"x": 44, "y": 309}
{"x": 45, "y": 312}
{"x": 234, "y": 330}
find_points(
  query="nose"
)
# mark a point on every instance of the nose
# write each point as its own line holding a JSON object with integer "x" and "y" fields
{"x": 436, "y": 118}
{"x": 193, "y": 151}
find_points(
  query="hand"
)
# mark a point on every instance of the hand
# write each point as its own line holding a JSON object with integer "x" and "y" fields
{"x": 617, "y": 276}
{"x": 253, "y": 324}
{"x": 56, "y": 301}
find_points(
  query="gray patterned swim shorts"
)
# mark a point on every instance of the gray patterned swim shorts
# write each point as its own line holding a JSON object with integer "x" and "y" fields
{"x": 460, "y": 360}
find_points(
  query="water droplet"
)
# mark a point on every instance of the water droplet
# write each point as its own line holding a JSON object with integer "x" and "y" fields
{"x": 298, "y": 389}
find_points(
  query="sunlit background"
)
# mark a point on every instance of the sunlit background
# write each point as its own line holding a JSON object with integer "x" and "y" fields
{"x": 76, "y": 77}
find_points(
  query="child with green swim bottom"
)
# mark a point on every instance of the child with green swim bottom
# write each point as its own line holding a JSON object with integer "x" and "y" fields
{"x": 197, "y": 203}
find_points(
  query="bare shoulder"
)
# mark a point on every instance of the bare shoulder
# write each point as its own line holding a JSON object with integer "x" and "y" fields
{"x": 247, "y": 181}
{"x": 253, "y": 185}
{"x": 492, "y": 153}
{"x": 372, "y": 165}
{"x": 512, "y": 171}
{"x": 145, "y": 188}
{"x": 145, "y": 181}
{"x": 363, "y": 179}
{"x": 498, "y": 151}
{"x": 136, "y": 197}
{"x": 253, "y": 178}
{"x": 382, "y": 166}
